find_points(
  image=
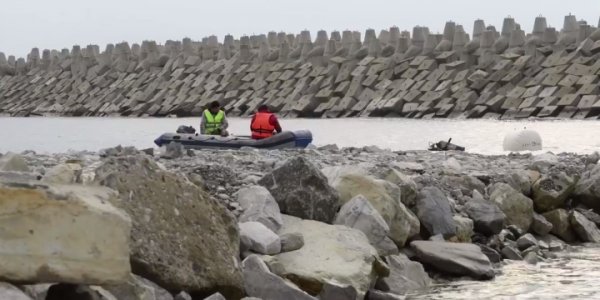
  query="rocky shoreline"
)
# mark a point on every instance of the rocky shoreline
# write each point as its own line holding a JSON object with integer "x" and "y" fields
{"x": 320, "y": 223}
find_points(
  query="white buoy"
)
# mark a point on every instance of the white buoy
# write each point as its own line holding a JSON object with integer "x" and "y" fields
{"x": 522, "y": 140}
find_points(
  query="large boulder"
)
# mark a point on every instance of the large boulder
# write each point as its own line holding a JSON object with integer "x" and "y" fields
{"x": 261, "y": 283}
{"x": 301, "y": 190}
{"x": 434, "y": 212}
{"x": 63, "y": 173}
{"x": 13, "y": 162}
{"x": 587, "y": 189}
{"x": 540, "y": 225}
{"x": 402, "y": 222}
{"x": 407, "y": 186}
{"x": 487, "y": 217}
{"x": 358, "y": 213}
{"x": 331, "y": 254}
{"x": 258, "y": 205}
{"x": 62, "y": 233}
{"x": 260, "y": 239}
{"x": 585, "y": 229}
{"x": 552, "y": 191}
{"x": 454, "y": 258}
{"x": 182, "y": 239}
{"x": 517, "y": 208}
{"x": 405, "y": 276}
{"x": 10, "y": 292}
{"x": 561, "y": 227}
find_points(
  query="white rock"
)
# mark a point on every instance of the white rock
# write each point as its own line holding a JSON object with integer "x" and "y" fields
{"x": 359, "y": 214}
{"x": 260, "y": 282}
{"x": 61, "y": 233}
{"x": 258, "y": 205}
{"x": 10, "y": 292}
{"x": 63, "y": 174}
{"x": 262, "y": 239}
{"x": 13, "y": 162}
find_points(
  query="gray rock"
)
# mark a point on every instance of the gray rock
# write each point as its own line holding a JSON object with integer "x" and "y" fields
{"x": 465, "y": 183}
{"x": 13, "y": 162}
{"x": 517, "y": 208}
{"x": 492, "y": 254}
{"x": 10, "y": 292}
{"x": 588, "y": 214}
{"x": 464, "y": 229}
{"x": 183, "y": 296}
{"x": 301, "y": 190}
{"x": 542, "y": 162}
{"x": 506, "y": 234}
{"x": 386, "y": 247}
{"x": 434, "y": 212}
{"x": 540, "y": 225}
{"x": 454, "y": 258}
{"x": 531, "y": 258}
{"x": 487, "y": 217}
{"x": 262, "y": 240}
{"x": 135, "y": 288}
{"x": 526, "y": 241}
{"x": 170, "y": 239}
{"x": 437, "y": 238}
{"x": 258, "y": 205}
{"x": 511, "y": 253}
{"x": 585, "y": 229}
{"x": 159, "y": 292}
{"x": 63, "y": 174}
{"x": 554, "y": 243}
{"x": 333, "y": 291}
{"x": 149, "y": 151}
{"x": 36, "y": 291}
{"x": 291, "y": 241}
{"x": 216, "y": 296}
{"x": 521, "y": 181}
{"x": 587, "y": 189}
{"x": 173, "y": 150}
{"x": 516, "y": 231}
{"x": 11, "y": 176}
{"x": 358, "y": 213}
{"x": 405, "y": 276}
{"x": 533, "y": 248}
{"x": 552, "y": 191}
{"x": 407, "y": 186}
{"x": 261, "y": 283}
{"x": 561, "y": 226}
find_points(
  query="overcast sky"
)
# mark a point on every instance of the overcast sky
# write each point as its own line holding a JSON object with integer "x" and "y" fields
{"x": 56, "y": 24}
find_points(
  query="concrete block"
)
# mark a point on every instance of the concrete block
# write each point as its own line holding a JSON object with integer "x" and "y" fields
{"x": 569, "y": 100}
{"x": 587, "y": 101}
{"x": 567, "y": 112}
{"x": 589, "y": 89}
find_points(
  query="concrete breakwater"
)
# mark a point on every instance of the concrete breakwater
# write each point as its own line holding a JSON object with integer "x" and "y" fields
{"x": 491, "y": 73}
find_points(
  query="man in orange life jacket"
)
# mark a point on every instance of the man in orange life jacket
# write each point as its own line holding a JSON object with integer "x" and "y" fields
{"x": 264, "y": 123}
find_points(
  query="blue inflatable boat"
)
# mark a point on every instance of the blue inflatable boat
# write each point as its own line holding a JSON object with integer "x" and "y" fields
{"x": 286, "y": 139}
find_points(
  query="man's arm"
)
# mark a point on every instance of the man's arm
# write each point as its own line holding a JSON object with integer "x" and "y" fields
{"x": 273, "y": 121}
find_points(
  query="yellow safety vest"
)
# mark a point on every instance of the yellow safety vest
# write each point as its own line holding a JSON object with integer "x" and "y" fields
{"x": 212, "y": 124}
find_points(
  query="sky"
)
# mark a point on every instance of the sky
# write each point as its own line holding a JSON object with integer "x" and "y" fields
{"x": 57, "y": 24}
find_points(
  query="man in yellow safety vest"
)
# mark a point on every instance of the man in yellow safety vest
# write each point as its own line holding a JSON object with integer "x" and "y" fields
{"x": 214, "y": 121}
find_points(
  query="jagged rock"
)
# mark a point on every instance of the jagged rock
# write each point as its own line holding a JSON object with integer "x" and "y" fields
{"x": 464, "y": 228}
{"x": 585, "y": 229}
{"x": 434, "y": 212}
{"x": 517, "y": 208}
{"x": 64, "y": 291}
{"x": 183, "y": 296}
{"x": 587, "y": 189}
{"x": 89, "y": 237}
{"x": 516, "y": 231}
{"x": 386, "y": 247}
{"x": 407, "y": 186}
{"x": 291, "y": 241}
{"x": 10, "y": 292}
{"x": 552, "y": 191}
{"x": 260, "y": 282}
{"x": 306, "y": 194}
{"x": 358, "y": 213}
{"x": 159, "y": 292}
{"x": 260, "y": 238}
{"x": 526, "y": 241}
{"x": 465, "y": 183}
{"x": 561, "y": 227}
{"x": 63, "y": 174}
{"x": 531, "y": 258}
{"x": 487, "y": 217}
{"x": 403, "y": 223}
{"x": 521, "y": 180}
{"x": 216, "y": 296}
{"x": 331, "y": 253}
{"x": 540, "y": 225}
{"x": 454, "y": 258}
{"x": 13, "y": 162}
{"x": 590, "y": 215}
{"x": 258, "y": 205}
{"x": 36, "y": 291}
{"x": 135, "y": 289}
{"x": 173, "y": 150}
{"x": 554, "y": 243}
{"x": 511, "y": 253}
{"x": 379, "y": 295}
{"x": 405, "y": 276}
{"x": 542, "y": 162}
{"x": 491, "y": 254}
{"x": 176, "y": 228}
{"x": 332, "y": 291}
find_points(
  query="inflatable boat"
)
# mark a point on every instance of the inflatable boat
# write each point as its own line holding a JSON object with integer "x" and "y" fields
{"x": 286, "y": 139}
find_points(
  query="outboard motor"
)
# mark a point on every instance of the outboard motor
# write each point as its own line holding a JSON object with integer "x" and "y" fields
{"x": 186, "y": 129}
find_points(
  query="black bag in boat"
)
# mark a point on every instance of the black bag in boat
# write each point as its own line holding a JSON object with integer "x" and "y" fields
{"x": 186, "y": 129}
{"x": 445, "y": 146}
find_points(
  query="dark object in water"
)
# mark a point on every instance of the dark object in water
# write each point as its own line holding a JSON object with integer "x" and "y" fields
{"x": 284, "y": 140}
{"x": 186, "y": 129}
{"x": 445, "y": 146}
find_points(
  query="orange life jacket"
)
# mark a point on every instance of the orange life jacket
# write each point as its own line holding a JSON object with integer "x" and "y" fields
{"x": 261, "y": 127}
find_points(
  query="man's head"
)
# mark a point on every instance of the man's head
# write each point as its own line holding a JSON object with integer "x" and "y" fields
{"x": 214, "y": 107}
{"x": 263, "y": 108}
